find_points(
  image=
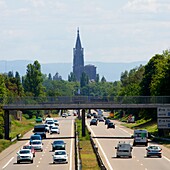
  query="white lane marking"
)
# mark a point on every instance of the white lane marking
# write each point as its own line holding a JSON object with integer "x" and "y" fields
{"x": 71, "y": 147}
{"x": 37, "y": 166}
{"x": 125, "y": 131}
{"x": 7, "y": 163}
{"x": 166, "y": 158}
{"x": 110, "y": 167}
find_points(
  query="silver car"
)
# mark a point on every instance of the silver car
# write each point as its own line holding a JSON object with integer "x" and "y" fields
{"x": 153, "y": 151}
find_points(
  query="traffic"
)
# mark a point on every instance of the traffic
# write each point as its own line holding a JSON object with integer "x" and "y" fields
{"x": 44, "y": 149}
{"x": 119, "y": 147}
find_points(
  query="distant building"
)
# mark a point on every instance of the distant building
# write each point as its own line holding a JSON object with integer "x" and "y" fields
{"x": 78, "y": 62}
{"x": 90, "y": 70}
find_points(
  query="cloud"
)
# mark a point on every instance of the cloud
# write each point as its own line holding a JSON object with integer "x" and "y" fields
{"x": 141, "y": 6}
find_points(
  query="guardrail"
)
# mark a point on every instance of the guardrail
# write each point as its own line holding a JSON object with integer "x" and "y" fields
{"x": 87, "y": 99}
{"x": 16, "y": 138}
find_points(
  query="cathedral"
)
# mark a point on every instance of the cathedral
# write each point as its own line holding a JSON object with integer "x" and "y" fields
{"x": 78, "y": 62}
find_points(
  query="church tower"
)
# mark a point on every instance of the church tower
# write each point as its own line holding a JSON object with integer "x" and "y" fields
{"x": 78, "y": 58}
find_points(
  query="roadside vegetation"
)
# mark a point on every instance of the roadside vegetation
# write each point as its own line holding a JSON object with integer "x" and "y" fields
{"x": 88, "y": 158}
{"x": 17, "y": 127}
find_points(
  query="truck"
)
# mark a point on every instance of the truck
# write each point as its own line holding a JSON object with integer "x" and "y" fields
{"x": 123, "y": 149}
{"x": 140, "y": 137}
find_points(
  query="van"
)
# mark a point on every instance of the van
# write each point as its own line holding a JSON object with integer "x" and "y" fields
{"x": 40, "y": 130}
{"x": 123, "y": 150}
{"x": 140, "y": 137}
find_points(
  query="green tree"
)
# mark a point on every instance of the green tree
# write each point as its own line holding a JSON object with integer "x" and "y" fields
{"x": 84, "y": 80}
{"x": 33, "y": 80}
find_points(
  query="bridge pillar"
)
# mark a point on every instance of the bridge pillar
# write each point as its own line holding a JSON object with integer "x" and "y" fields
{"x": 83, "y": 123}
{"x": 6, "y": 126}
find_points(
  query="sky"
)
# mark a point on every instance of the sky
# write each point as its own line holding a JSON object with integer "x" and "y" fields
{"x": 110, "y": 31}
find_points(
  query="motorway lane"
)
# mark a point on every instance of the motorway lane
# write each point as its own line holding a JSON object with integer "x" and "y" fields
{"x": 108, "y": 152}
{"x": 43, "y": 160}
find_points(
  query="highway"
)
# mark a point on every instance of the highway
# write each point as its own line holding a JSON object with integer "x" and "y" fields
{"x": 42, "y": 160}
{"x": 139, "y": 161}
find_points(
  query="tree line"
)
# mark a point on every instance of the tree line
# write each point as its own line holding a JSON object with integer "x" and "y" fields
{"x": 152, "y": 79}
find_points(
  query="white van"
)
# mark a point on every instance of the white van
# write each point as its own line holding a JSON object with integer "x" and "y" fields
{"x": 140, "y": 137}
{"x": 124, "y": 150}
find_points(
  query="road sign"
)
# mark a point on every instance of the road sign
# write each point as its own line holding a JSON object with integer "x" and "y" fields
{"x": 163, "y": 112}
{"x": 163, "y": 123}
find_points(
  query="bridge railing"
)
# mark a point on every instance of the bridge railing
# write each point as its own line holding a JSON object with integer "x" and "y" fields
{"x": 88, "y": 100}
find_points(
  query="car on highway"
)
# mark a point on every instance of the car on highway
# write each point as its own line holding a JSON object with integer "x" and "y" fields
{"x": 31, "y": 148}
{"x": 107, "y": 121}
{"x": 123, "y": 149}
{"x": 93, "y": 122}
{"x": 47, "y": 128}
{"x": 65, "y": 115}
{"x": 37, "y": 144}
{"x": 100, "y": 119}
{"x": 58, "y": 145}
{"x": 35, "y": 137}
{"x": 88, "y": 116}
{"x": 153, "y": 150}
{"x": 60, "y": 156}
{"x": 110, "y": 125}
{"x": 55, "y": 129}
{"x": 40, "y": 130}
{"x": 50, "y": 124}
{"x": 140, "y": 137}
{"x": 24, "y": 155}
{"x": 56, "y": 122}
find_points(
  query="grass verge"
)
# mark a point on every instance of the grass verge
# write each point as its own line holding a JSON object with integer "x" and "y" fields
{"x": 17, "y": 127}
{"x": 87, "y": 155}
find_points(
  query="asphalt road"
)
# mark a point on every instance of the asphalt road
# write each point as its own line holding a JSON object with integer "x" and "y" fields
{"x": 43, "y": 160}
{"x": 139, "y": 161}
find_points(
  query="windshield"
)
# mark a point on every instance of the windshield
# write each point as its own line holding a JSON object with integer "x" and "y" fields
{"x": 26, "y": 147}
{"x": 58, "y": 142}
{"x": 36, "y": 142}
{"x": 50, "y": 122}
{"x": 24, "y": 152}
{"x": 60, "y": 153}
{"x": 140, "y": 135}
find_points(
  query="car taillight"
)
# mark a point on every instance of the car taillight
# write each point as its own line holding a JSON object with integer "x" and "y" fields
{"x": 159, "y": 150}
{"x": 148, "y": 150}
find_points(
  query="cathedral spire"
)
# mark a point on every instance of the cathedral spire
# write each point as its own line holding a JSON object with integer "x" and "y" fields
{"x": 78, "y": 42}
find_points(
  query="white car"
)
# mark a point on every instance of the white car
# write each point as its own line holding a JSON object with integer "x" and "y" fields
{"x": 47, "y": 128}
{"x": 37, "y": 144}
{"x": 50, "y": 124}
{"x": 60, "y": 156}
{"x": 55, "y": 129}
{"x": 24, "y": 155}
{"x": 65, "y": 115}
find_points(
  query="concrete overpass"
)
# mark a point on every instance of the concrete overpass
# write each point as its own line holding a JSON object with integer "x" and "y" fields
{"x": 82, "y": 102}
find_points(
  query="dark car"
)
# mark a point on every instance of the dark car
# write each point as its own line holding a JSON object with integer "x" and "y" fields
{"x": 111, "y": 125}
{"x": 154, "y": 151}
{"x": 107, "y": 121}
{"x": 88, "y": 116}
{"x": 58, "y": 145}
{"x": 93, "y": 122}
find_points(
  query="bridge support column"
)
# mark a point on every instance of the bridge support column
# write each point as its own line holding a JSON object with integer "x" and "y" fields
{"x": 83, "y": 123}
{"x": 6, "y": 127}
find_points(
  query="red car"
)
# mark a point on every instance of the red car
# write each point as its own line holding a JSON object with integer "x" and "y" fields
{"x": 31, "y": 148}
